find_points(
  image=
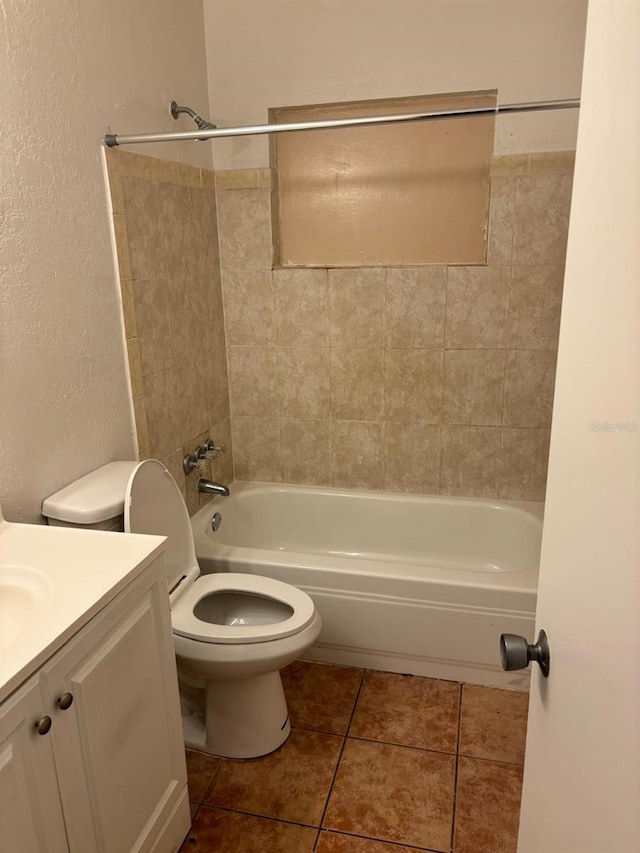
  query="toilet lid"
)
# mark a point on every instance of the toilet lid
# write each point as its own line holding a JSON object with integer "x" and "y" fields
{"x": 154, "y": 504}
{"x": 186, "y": 623}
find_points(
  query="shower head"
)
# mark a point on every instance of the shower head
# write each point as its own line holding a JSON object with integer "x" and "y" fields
{"x": 201, "y": 123}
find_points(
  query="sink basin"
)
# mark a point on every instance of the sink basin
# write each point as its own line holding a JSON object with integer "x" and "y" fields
{"x": 23, "y": 594}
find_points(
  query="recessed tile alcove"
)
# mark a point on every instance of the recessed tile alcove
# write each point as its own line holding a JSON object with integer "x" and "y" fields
{"x": 431, "y": 379}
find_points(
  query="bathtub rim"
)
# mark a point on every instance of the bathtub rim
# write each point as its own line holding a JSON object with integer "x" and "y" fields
{"x": 518, "y": 581}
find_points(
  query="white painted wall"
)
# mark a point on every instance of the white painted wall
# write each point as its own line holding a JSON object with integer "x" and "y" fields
{"x": 272, "y": 53}
{"x": 70, "y": 72}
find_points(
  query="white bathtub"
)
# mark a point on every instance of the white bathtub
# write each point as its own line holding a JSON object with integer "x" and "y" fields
{"x": 405, "y": 583}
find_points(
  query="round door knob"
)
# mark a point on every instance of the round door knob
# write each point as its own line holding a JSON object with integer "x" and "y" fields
{"x": 516, "y": 653}
{"x": 65, "y": 701}
{"x": 43, "y": 725}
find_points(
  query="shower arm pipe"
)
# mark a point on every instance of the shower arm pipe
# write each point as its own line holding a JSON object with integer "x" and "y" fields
{"x": 113, "y": 139}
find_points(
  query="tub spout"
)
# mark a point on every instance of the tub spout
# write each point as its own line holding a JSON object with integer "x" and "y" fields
{"x": 207, "y": 487}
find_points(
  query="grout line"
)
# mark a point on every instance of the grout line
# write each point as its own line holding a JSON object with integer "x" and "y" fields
{"x": 455, "y": 775}
{"x": 259, "y": 816}
{"x": 213, "y": 779}
{"x": 335, "y": 773}
{"x": 382, "y": 841}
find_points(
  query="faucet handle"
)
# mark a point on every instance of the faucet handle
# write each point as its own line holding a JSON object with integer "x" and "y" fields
{"x": 209, "y": 449}
{"x": 193, "y": 461}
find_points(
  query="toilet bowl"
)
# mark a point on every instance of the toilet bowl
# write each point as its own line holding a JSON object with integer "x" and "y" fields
{"x": 232, "y": 632}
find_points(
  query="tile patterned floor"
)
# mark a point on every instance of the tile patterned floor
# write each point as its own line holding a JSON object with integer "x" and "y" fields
{"x": 375, "y": 763}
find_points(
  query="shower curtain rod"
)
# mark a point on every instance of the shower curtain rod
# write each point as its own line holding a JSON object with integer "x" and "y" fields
{"x": 113, "y": 139}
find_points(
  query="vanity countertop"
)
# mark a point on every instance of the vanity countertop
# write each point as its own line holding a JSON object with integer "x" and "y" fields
{"x": 53, "y": 580}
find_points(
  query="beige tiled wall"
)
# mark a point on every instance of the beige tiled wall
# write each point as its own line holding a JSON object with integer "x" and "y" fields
{"x": 421, "y": 379}
{"x": 166, "y": 233}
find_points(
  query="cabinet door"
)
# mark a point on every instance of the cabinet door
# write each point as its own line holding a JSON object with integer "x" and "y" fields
{"x": 119, "y": 749}
{"x": 30, "y": 811}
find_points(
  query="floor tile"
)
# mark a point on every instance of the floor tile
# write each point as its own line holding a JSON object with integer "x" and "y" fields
{"x": 230, "y": 832}
{"x": 321, "y": 697}
{"x": 393, "y": 793}
{"x": 411, "y": 711}
{"x": 201, "y": 769}
{"x": 334, "y": 842}
{"x": 290, "y": 784}
{"x": 487, "y": 807}
{"x": 493, "y": 723}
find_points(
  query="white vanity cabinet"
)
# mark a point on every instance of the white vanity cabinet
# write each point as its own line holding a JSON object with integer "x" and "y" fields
{"x": 109, "y": 776}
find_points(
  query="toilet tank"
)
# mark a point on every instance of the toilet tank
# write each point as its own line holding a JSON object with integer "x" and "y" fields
{"x": 95, "y": 501}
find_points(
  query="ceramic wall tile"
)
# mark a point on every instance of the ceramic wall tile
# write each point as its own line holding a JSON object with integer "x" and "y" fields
{"x": 470, "y": 456}
{"x": 146, "y": 225}
{"x": 415, "y": 307}
{"x": 301, "y": 307}
{"x": 191, "y": 402}
{"x": 412, "y": 458}
{"x": 528, "y": 388}
{"x": 253, "y": 381}
{"x": 153, "y": 321}
{"x": 135, "y": 368}
{"x": 128, "y": 308}
{"x": 142, "y": 426}
{"x": 173, "y": 462}
{"x": 305, "y": 451}
{"x": 501, "y": 221}
{"x": 244, "y": 221}
{"x": 193, "y": 498}
{"x": 524, "y": 457}
{"x": 413, "y": 385}
{"x": 509, "y": 164}
{"x": 356, "y": 384}
{"x": 477, "y": 300}
{"x": 542, "y": 219}
{"x": 473, "y": 386}
{"x": 303, "y": 382}
{"x": 356, "y": 455}
{"x": 256, "y": 449}
{"x": 535, "y": 301}
{"x": 162, "y": 391}
{"x": 356, "y": 307}
{"x": 217, "y": 385}
{"x": 222, "y": 462}
{"x": 552, "y": 163}
{"x": 248, "y": 307}
{"x": 122, "y": 246}
{"x": 172, "y": 300}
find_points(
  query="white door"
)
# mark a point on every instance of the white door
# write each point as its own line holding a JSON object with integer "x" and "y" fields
{"x": 582, "y": 769}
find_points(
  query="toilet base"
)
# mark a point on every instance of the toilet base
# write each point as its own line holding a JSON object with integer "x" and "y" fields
{"x": 243, "y": 718}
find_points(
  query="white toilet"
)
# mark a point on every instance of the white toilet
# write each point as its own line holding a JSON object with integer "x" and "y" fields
{"x": 232, "y": 632}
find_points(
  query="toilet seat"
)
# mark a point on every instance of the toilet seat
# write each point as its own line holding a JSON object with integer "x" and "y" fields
{"x": 187, "y": 624}
{"x": 154, "y": 504}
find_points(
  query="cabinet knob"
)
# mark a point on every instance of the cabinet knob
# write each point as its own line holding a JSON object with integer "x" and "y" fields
{"x": 65, "y": 701}
{"x": 43, "y": 725}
